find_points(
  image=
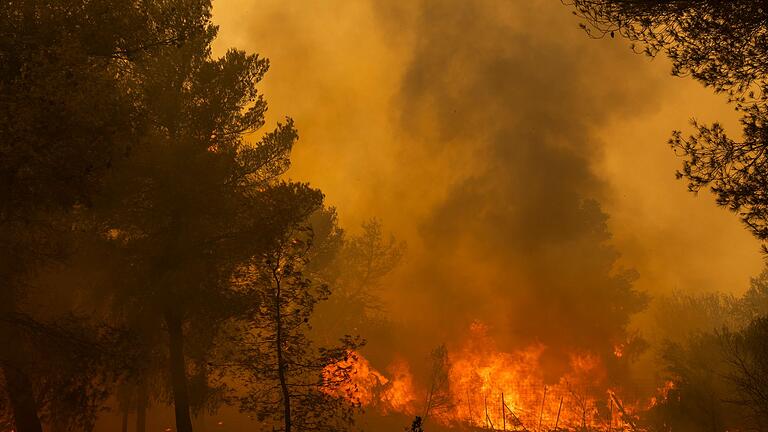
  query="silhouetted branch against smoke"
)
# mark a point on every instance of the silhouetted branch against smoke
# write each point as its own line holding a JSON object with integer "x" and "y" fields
{"x": 724, "y": 46}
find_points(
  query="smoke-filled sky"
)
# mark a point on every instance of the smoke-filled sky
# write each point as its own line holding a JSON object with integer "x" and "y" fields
{"x": 525, "y": 164}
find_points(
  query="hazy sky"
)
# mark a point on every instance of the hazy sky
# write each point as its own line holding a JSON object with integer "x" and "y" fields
{"x": 476, "y": 129}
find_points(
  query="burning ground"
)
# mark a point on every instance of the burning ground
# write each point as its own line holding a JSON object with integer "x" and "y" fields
{"x": 476, "y": 386}
{"x": 492, "y": 137}
{"x": 486, "y": 164}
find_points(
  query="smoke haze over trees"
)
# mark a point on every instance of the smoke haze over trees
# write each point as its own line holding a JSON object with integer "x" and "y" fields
{"x": 174, "y": 256}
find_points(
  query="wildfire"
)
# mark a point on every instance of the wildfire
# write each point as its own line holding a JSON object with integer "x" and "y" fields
{"x": 365, "y": 386}
{"x": 398, "y": 395}
{"x": 492, "y": 389}
{"x": 662, "y": 394}
{"x": 498, "y": 390}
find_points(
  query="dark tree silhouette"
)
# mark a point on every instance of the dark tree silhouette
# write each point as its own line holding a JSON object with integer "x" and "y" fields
{"x": 696, "y": 400}
{"x": 718, "y": 382}
{"x": 721, "y": 44}
{"x": 724, "y": 45}
{"x": 716, "y": 362}
{"x": 292, "y": 382}
{"x": 355, "y": 265}
{"x": 746, "y": 352}
{"x": 439, "y": 396}
{"x": 77, "y": 361}
{"x": 65, "y": 115}
{"x": 195, "y": 199}
{"x": 122, "y": 137}
{"x": 416, "y": 426}
{"x": 754, "y": 303}
{"x": 367, "y": 258}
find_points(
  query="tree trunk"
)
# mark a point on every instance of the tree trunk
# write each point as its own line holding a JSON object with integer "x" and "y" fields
{"x": 280, "y": 360}
{"x": 124, "y": 422}
{"x": 200, "y": 423}
{"x": 284, "y": 388}
{"x": 22, "y": 400}
{"x": 142, "y": 400}
{"x": 178, "y": 374}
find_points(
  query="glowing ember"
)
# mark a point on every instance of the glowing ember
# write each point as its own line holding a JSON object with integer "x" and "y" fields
{"x": 618, "y": 351}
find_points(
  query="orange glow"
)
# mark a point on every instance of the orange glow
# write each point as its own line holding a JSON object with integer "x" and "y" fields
{"x": 618, "y": 351}
{"x": 399, "y": 394}
{"x": 481, "y": 376}
{"x": 662, "y": 394}
{"x": 368, "y": 387}
{"x": 493, "y": 389}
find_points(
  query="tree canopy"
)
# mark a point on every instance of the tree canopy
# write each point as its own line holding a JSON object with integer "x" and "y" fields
{"x": 124, "y": 142}
{"x": 723, "y": 45}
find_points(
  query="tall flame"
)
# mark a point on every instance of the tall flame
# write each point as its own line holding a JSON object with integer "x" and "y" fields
{"x": 491, "y": 389}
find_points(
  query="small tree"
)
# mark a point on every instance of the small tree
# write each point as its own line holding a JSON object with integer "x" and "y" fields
{"x": 716, "y": 364}
{"x": 746, "y": 352}
{"x": 291, "y": 382}
{"x": 439, "y": 396}
{"x": 416, "y": 426}
{"x": 366, "y": 259}
{"x": 355, "y": 269}
{"x": 696, "y": 399}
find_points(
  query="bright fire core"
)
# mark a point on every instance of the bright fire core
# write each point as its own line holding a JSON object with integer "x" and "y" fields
{"x": 490, "y": 389}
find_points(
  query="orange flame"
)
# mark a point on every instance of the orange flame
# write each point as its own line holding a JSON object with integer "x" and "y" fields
{"x": 365, "y": 386}
{"x": 492, "y": 389}
{"x": 662, "y": 394}
{"x": 500, "y": 389}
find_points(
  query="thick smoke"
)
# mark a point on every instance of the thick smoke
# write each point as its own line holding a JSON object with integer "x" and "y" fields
{"x": 520, "y": 242}
{"x": 472, "y": 129}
